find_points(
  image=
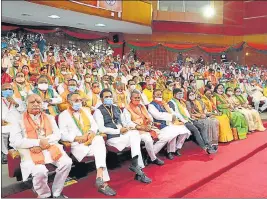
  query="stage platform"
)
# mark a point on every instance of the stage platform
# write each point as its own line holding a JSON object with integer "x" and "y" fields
{"x": 178, "y": 177}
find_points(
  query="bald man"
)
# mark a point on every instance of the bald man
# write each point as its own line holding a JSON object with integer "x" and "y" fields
{"x": 36, "y": 138}
{"x": 10, "y": 113}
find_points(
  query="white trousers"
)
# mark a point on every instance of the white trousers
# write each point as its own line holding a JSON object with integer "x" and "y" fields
{"x": 149, "y": 144}
{"x": 257, "y": 103}
{"x": 130, "y": 139}
{"x": 176, "y": 136}
{"x": 98, "y": 150}
{"x": 4, "y": 148}
{"x": 40, "y": 177}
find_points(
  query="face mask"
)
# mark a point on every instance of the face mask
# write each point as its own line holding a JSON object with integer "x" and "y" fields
{"x": 230, "y": 93}
{"x": 20, "y": 80}
{"x": 192, "y": 97}
{"x": 238, "y": 93}
{"x": 105, "y": 82}
{"x": 72, "y": 88}
{"x": 43, "y": 86}
{"x": 170, "y": 88}
{"x": 50, "y": 54}
{"x": 17, "y": 58}
{"x": 77, "y": 106}
{"x": 220, "y": 92}
{"x": 194, "y": 84}
{"x": 7, "y": 93}
{"x": 88, "y": 79}
{"x": 33, "y": 49}
{"x": 132, "y": 87}
{"x": 134, "y": 74}
{"x": 95, "y": 73}
{"x": 63, "y": 72}
{"x": 179, "y": 96}
{"x": 108, "y": 101}
{"x": 158, "y": 99}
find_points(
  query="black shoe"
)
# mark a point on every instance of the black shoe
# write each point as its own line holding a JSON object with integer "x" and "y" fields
{"x": 143, "y": 178}
{"x": 177, "y": 152}
{"x": 146, "y": 161}
{"x": 60, "y": 196}
{"x": 107, "y": 190}
{"x": 215, "y": 147}
{"x": 211, "y": 150}
{"x": 136, "y": 169}
{"x": 4, "y": 159}
{"x": 99, "y": 182}
{"x": 170, "y": 156}
{"x": 158, "y": 162}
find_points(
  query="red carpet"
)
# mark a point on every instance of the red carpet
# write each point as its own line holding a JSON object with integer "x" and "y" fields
{"x": 176, "y": 178}
{"x": 247, "y": 180}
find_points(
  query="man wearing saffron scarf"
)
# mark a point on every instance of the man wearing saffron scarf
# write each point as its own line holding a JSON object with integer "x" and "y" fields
{"x": 78, "y": 126}
{"x": 136, "y": 116}
{"x": 163, "y": 115}
{"x": 109, "y": 120}
{"x": 36, "y": 138}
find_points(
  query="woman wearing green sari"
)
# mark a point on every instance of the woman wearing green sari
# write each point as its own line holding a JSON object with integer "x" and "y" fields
{"x": 237, "y": 119}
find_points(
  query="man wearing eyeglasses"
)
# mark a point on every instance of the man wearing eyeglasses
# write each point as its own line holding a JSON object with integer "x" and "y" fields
{"x": 10, "y": 113}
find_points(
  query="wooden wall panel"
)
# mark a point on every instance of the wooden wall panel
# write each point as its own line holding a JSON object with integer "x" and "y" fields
{"x": 137, "y": 11}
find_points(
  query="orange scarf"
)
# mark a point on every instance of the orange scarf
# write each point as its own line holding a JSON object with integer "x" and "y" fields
{"x": 32, "y": 133}
{"x": 139, "y": 115}
{"x": 16, "y": 90}
{"x": 94, "y": 99}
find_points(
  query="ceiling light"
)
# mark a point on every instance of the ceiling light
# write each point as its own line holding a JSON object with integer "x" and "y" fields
{"x": 100, "y": 25}
{"x": 247, "y": 54}
{"x": 54, "y": 17}
{"x": 25, "y": 15}
{"x": 209, "y": 12}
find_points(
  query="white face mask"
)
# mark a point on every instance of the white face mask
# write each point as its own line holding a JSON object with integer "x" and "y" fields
{"x": 220, "y": 92}
{"x": 179, "y": 95}
{"x": 43, "y": 86}
{"x": 94, "y": 73}
{"x": 63, "y": 73}
{"x": 158, "y": 99}
{"x": 17, "y": 58}
{"x": 192, "y": 97}
{"x": 132, "y": 87}
{"x": 170, "y": 88}
{"x": 230, "y": 93}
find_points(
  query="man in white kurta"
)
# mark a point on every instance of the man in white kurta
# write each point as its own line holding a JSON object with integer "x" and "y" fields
{"x": 72, "y": 132}
{"x": 19, "y": 140}
{"x": 257, "y": 96}
{"x": 130, "y": 121}
{"x": 161, "y": 115}
{"x": 10, "y": 114}
{"x": 109, "y": 121}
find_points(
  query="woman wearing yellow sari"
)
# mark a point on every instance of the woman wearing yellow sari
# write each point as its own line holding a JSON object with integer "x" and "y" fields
{"x": 225, "y": 131}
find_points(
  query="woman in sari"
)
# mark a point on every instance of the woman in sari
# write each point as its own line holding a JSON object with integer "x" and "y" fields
{"x": 252, "y": 116}
{"x": 197, "y": 109}
{"x": 237, "y": 119}
{"x": 225, "y": 131}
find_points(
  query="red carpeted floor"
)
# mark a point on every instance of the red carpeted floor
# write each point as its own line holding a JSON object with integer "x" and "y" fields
{"x": 176, "y": 178}
{"x": 246, "y": 180}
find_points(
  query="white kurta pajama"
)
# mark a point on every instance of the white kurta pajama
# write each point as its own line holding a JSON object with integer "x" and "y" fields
{"x": 129, "y": 139}
{"x": 97, "y": 149}
{"x": 175, "y": 131}
{"x": 257, "y": 96}
{"x": 20, "y": 142}
{"x": 10, "y": 114}
{"x": 152, "y": 149}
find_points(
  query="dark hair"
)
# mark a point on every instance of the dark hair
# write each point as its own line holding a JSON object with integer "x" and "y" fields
{"x": 168, "y": 83}
{"x": 71, "y": 94}
{"x": 94, "y": 83}
{"x": 207, "y": 89}
{"x": 216, "y": 87}
{"x": 156, "y": 90}
{"x": 236, "y": 89}
{"x": 103, "y": 91}
{"x": 131, "y": 80}
{"x": 177, "y": 90}
{"x": 188, "y": 93}
{"x": 72, "y": 80}
{"x": 227, "y": 89}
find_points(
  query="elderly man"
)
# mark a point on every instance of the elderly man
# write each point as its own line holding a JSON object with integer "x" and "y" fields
{"x": 109, "y": 120}
{"x": 78, "y": 126}
{"x": 198, "y": 130}
{"x": 257, "y": 96}
{"x": 163, "y": 115}
{"x": 10, "y": 114}
{"x": 36, "y": 138}
{"x": 136, "y": 116}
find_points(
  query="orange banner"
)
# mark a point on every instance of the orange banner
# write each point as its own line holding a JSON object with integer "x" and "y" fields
{"x": 113, "y": 5}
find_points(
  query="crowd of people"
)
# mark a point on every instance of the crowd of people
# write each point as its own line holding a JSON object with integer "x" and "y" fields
{"x": 60, "y": 94}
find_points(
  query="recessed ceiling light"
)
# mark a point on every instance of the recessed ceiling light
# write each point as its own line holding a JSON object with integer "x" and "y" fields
{"x": 54, "y": 17}
{"x": 100, "y": 25}
{"x": 25, "y": 15}
{"x": 209, "y": 12}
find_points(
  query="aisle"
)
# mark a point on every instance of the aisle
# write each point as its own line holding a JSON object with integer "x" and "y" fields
{"x": 176, "y": 178}
{"x": 247, "y": 180}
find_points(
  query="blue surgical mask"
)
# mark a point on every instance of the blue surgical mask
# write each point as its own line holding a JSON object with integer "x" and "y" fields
{"x": 108, "y": 101}
{"x": 72, "y": 88}
{"x": 77, "y": 106}
{"x": 7, "y": 93}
